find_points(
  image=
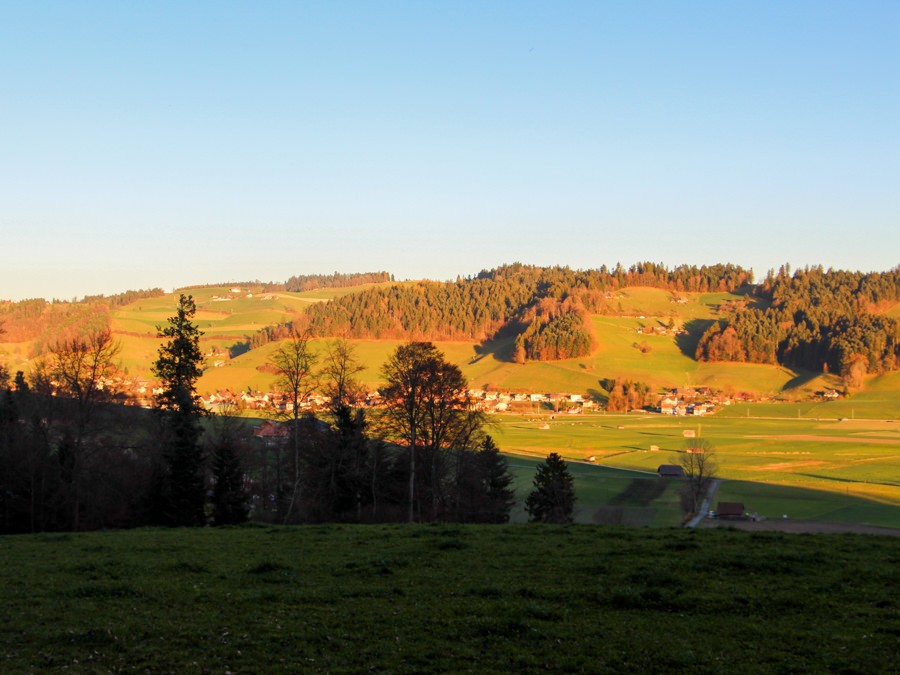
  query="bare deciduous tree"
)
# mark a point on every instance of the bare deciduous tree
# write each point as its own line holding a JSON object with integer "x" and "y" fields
{"x": 295, "y": 363}
{"x": 339, "y": 373}
{"x": 698, "y": 459}
{"x": 427, "y": 408}
{"x": 78, "y": 366}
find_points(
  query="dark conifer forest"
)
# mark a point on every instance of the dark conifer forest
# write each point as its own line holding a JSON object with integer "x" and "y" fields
{"x": 814, "y": 319}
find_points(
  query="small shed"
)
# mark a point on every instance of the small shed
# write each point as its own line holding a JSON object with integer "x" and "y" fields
{"x": 670, "y": 471}
{"x": 730, "y": 510}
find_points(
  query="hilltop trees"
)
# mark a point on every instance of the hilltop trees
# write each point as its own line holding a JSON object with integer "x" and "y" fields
{"x": 546, "y": 305}
{"x": 178, "y": 367}
{"x": 814, "y": 319}
{"x": 553, "y": 497}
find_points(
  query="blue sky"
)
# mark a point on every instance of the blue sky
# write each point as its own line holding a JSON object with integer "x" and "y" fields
{"x": 164, "y": 144}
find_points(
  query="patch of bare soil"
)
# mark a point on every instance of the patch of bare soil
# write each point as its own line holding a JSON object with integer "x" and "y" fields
{"x": 788, "y": 466}
{"x": 801, "y": 527}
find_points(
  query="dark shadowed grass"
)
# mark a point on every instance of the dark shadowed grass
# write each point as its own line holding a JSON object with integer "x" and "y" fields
{"x": 448, "y": 598}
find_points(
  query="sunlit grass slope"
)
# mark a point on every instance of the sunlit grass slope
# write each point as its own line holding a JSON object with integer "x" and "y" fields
{"x": 880, "y": 399}
{"x": 669, "y": 361}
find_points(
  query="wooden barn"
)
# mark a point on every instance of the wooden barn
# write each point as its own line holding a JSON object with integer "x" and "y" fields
{"x": 730, "y": 510}
{"x": 670, "y": 471}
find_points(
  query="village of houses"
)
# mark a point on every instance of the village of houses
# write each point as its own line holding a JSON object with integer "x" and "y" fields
{"x": 681, "y": 402}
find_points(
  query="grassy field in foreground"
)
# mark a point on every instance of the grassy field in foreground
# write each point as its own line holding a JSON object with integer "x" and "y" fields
{"x": 448, "y": 598}
{"x": 842, "y": 463}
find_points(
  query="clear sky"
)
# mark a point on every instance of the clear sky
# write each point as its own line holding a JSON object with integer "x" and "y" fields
{"x": 167, "y": 143}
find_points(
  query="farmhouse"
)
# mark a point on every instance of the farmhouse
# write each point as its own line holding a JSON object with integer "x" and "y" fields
{"x": 670, "y": 471}
{"x": 730, "y": 510}
{"x": 668, "y": 405}
{"x": 270, "y": 432}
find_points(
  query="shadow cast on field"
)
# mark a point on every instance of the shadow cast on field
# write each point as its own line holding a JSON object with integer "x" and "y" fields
{"x": 852, "y": 481}
{"x": 687, "y": 342}
{"x": 598, "y": 396}
{"x": 801, "y": 379}
{"x": 500, "y": 348}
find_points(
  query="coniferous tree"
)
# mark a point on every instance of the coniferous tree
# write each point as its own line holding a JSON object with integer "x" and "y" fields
{"x": 229, "y": 497}
{"x": 485, "y": 485}
{"x": 553, "y": 497}
{"x": 178, "y": 367}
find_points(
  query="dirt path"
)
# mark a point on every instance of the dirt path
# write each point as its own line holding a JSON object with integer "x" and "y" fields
{"x": 802, "y": 527}
{"x": 704, "y": 508}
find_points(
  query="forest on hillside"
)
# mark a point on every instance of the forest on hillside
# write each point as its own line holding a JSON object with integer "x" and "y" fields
{"x": 546, "y": 308}
{"x": 44, "y": 322}
{"x": 828, "y": 321}
{"x": 814, "y": 319}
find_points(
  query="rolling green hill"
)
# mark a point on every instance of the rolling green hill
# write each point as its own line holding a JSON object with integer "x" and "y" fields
{"x": 669, "y": 363}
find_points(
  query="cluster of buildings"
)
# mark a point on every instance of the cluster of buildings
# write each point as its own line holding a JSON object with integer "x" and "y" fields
{"x": 681, "y": 402}
{"x": 499, "y": 401}
{"x": 131, "y": 390}
{"x": 695, "y": 401}
{"x": 275, "y": 401}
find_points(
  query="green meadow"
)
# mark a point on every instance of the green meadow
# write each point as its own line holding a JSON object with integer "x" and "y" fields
{"x": 844, "y": 463}
{"x": 420, "y": 598}
{"x": 606, "y": 495}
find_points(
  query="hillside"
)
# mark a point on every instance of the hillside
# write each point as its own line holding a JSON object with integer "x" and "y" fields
{"x": 669, "y": 363}
{"x": 528, "y": 328}
{"x": 499, "y": 326}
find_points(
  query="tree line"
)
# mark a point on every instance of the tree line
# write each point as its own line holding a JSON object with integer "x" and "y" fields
{"x": 300, "y": 283}
{"x": 812, "y": 319}
{"x": 73, "y": 458}
{"x": 544, "y": 306}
